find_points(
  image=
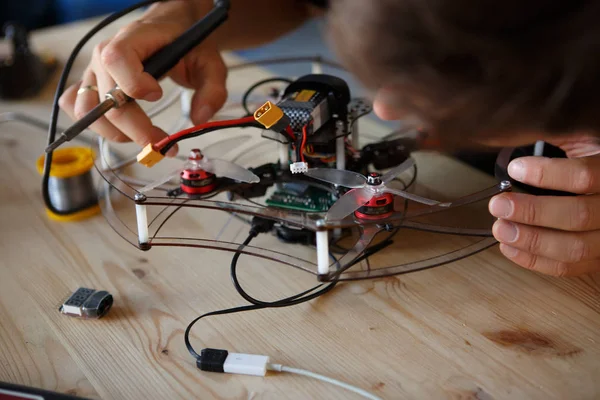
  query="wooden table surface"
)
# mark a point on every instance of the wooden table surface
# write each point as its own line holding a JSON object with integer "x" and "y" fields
{"x": 480, "y": 328}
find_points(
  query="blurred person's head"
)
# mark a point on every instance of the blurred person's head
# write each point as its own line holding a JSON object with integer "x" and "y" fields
{"x": 505, "y": 72}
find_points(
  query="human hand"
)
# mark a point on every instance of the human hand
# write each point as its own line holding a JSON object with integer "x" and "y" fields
{"x": 118, "y": 61}
{"x": 557, "y": 236}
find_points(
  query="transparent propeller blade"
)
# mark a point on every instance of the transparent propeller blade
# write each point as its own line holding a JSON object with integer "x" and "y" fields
{"x": 350, "y": 202}
{"x": 339, "y": 177}
{"x": 223, "y": 147}
{"x": 394, "y": 172}
{"x": 161, "y": 181}
{"x": 228, "y": 169}
{"x": 411, "y": 196}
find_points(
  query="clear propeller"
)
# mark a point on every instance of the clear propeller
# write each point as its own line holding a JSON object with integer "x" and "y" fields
{"x": 216, "y": 166}
{"x": 364, "y": 189}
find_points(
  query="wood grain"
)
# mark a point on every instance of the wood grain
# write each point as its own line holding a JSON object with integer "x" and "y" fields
{"x": 480, "y": 328}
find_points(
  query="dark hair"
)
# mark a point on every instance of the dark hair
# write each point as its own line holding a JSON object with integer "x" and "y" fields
{"x": 478, "y": 67}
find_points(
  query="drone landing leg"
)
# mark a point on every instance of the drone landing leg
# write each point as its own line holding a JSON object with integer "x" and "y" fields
{"x": 322, "y": 252}
{"x": 142, "y": 224}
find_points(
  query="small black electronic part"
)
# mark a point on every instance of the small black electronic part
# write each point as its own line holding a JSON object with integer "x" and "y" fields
{"x": 387, "y": 154}
{"x": 293, "y": 235}
{"x": 23, "y": 73}
{"x": 87, "y": 303}
{"x": 318, "y": 101}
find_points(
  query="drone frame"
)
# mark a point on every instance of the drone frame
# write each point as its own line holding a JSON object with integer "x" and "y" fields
{"x": 325, "y": 270}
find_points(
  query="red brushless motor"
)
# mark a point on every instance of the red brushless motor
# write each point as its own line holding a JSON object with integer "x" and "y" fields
{"x": 379, "y": 207}
{"x": 195, "y": 180}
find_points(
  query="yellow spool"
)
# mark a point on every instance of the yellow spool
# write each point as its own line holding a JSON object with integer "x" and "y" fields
{"x": 68, "y": 163}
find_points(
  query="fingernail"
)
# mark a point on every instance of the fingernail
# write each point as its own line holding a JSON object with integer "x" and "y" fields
{"x": 501, "y": 207}
{"x": 152, "y": 96}
{"x": 516, "y": 169}
{"x": 203, "y": 114}
{"x": 505, "y": 231}
{"x": 508, "y": 251}
{"x": 172, "y": 152}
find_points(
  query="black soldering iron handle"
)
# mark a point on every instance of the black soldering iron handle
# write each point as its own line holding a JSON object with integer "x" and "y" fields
{"x": 167, "y": 58}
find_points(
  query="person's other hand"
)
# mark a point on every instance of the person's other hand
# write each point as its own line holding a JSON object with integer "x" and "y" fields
{"x": 118, "y": 61}
{"x": 558, "y": 236}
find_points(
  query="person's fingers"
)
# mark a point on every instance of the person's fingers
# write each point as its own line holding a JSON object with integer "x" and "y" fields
{"x": 204, "y": 71}
{"x": 570, "y": 213}
{"x": 123, "y": 57}
{"x": 578, "y": 145}
{"x": 86, "y": 100}
{"x": 67, "y": 100}
{"x": 548, "y": 266}
{"x": 130, "y": 120}
{"x": 576, "y": 175}
{"x": 87, "y": 97}
{"x": 548, "y": 243}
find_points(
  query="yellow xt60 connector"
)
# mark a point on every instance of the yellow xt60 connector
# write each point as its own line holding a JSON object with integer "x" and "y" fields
{"x": 148, "y": 156}
{"x": 268, "y": 114}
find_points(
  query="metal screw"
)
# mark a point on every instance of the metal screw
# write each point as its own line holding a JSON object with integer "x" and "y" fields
{"x": 139, "y": 197}
{"x": 320, "y": 223}
{"x": 505, "y": 185}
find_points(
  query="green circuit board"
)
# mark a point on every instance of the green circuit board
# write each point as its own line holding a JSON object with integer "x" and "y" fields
{"x": 302, "y": 197}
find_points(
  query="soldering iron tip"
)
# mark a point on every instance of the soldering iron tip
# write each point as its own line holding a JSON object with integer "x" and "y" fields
{"x": 55, "y": 144}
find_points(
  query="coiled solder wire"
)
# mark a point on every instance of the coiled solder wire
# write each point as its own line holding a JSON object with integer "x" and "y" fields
{"x": 71, "y": 184}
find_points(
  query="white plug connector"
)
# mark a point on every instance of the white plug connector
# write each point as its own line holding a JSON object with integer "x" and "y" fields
{"x": 247, "y": 364}
{"x": 298, "y": 167}
{"x": 216, "y": 360}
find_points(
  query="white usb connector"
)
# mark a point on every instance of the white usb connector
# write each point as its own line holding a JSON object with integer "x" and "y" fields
{"x": 247, "y": 364}
{"x": 215, "y": 360}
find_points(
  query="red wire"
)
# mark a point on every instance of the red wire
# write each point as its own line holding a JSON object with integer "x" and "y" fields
{"x": 304, "y": 135}
{"x": 290, "y": 132}
{"x": 231, "y": 122}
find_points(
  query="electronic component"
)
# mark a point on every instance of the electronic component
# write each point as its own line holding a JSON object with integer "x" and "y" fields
{"x": 314, "y": 99}
{"x": 302, "y": 197}
{"x": 222, "y": 361}
{"x": 298, "y": 167}
{"x": 271, "y": 117}
{"x": 215, "y": 360}
{"x": 87, "y": 304}
{"x": 387, "y": 154}
{"x": 148, "y": 156}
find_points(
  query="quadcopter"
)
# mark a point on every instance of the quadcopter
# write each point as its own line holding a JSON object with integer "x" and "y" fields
{"x": 315, "y": 188}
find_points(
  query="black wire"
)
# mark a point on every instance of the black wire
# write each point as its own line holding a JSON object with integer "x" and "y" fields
{"x": 201, "y": 132}
{"x": 256, "y": 304}
{"x": 257, "y": 84}
{"x": 414, "y": 178}
{"x": 60, "y": 89}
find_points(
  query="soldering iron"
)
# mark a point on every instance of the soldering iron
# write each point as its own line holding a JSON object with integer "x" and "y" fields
{"x": 156, "y": 65}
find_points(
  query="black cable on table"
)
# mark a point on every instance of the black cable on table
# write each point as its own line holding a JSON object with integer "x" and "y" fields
{"x": 259, "y": 225}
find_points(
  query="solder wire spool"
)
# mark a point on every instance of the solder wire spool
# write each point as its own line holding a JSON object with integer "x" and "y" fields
{"x": 71, "y": 185}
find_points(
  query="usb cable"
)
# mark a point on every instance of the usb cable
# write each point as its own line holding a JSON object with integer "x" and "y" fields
{"x": 215, "y": 360}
